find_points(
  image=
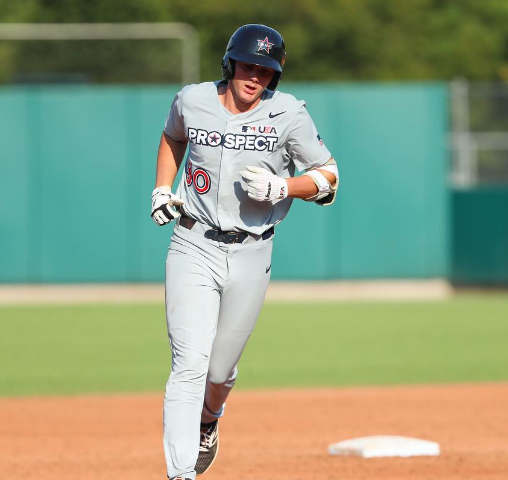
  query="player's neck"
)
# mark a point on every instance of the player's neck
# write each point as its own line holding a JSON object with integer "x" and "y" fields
{"x": 232, "y": 103}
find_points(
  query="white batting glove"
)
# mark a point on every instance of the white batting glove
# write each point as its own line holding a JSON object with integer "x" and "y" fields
{"x": 264, "y": 186}
{"x": 162, "y": 202}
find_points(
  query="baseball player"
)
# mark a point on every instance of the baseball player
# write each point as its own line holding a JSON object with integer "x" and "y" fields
{"x": 246, "y": 140}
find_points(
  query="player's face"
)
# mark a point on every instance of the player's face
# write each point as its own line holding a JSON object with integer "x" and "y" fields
{"x": 250, "y": 81}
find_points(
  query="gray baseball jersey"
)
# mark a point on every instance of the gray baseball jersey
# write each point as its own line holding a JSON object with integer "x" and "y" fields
{"x": 278, "y": 134}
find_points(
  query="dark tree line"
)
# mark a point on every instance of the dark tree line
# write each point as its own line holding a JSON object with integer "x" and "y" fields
{"x": 326, "y": 40}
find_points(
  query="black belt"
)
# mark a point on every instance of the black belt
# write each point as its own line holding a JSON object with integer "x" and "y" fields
{"x": 221, "y": 236}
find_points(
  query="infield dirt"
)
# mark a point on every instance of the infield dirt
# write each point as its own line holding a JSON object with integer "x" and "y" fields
{"x": 279, "y": 435}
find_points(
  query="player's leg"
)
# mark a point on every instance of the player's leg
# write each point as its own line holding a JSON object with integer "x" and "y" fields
{"x": 241, "y": 302}
{"x": 192, "y": 307}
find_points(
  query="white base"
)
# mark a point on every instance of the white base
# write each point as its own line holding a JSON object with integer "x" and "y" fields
{"x": 384, "y": 446}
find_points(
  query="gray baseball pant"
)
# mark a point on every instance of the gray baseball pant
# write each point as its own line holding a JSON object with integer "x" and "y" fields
{"x": 214, "y": 293}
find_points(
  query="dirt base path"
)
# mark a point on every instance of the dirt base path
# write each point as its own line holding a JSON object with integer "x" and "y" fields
{"x": 280, "y": 435}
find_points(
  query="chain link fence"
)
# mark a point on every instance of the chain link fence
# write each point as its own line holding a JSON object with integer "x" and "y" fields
{"x": 479, "y": 137}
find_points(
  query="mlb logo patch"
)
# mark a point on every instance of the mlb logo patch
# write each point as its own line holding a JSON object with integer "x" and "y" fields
{"x": 319, "y": 139}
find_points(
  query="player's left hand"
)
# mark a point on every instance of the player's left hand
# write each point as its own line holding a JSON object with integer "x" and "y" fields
{"x": 263, "y": 185}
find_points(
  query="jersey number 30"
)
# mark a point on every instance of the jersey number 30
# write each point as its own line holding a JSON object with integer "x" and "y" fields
{"x": 199, "y": 177}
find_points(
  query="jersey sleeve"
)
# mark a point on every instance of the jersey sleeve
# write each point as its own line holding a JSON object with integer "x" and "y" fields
{"x": 174, "y": 126}
{"x": 305, "y": 146}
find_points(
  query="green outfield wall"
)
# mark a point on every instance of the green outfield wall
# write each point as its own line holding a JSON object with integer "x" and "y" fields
{"x": 480, "y": 236}
{"x": 77, "y": 169}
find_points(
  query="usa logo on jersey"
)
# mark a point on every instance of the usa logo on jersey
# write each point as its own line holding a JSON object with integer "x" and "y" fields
{"x": 268, "y": 129}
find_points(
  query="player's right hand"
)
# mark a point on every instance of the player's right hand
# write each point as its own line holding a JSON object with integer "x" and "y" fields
{"x": 163, "y": 202}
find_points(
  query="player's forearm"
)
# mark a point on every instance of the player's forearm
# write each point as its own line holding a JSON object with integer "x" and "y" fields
{"x": 169, "y": 158}
{"x": 304, "y": 187}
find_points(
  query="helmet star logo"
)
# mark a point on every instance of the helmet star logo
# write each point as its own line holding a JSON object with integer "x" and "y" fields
{"x": 264, "y": 45}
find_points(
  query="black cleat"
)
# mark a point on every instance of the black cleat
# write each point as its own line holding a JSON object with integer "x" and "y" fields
{"x": 208, "y": 447}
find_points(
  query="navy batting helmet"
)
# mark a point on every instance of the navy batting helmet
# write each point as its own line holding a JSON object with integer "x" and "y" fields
{"x": 257, "y": 45}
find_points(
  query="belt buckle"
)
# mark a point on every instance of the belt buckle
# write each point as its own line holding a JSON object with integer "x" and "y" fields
{"x": 232, "y": 237}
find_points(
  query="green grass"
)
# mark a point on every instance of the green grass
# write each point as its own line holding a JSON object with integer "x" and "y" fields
{"x": 48, "y": 350}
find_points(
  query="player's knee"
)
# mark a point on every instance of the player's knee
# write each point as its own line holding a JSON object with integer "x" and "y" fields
{"x": 189, "y": 380}
{"x": 190, "y": 375}
{"x": 191, "y": 367}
